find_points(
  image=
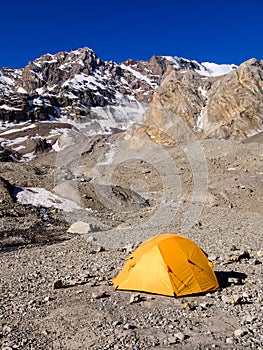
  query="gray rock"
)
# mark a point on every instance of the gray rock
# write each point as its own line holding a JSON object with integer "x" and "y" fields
{"x": 240, "y": 332}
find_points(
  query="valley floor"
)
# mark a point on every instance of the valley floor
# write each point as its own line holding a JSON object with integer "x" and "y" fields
{"x": 56, "y": 290}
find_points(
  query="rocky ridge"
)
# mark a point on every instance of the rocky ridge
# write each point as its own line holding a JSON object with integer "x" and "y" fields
{"x": 189, "y": 106}
{"x": 79, "y": 85}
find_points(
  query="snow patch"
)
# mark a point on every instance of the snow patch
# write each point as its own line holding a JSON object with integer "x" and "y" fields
{"x": 14, "y": 142}
{"x": 17, "y": 130}
{"x": 38, "y": 196}
{"x": 138, "y": 75}
{"x": 8, "y": 108}
{"x": 83, "y": 82}
{"x": 21, "y": 90}
{"x": 200, "y": 121}
{"x": 202, "y": 91}
{"x": 29, "y": 156}
{"x": 108, "y": 157}
{"x": 215, "y": 70}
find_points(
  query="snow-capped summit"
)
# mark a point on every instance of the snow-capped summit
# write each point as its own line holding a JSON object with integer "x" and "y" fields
{"x": 79, "y": 87}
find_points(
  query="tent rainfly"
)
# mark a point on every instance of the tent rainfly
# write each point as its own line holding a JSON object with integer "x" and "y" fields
{"x": 167, "y": 264}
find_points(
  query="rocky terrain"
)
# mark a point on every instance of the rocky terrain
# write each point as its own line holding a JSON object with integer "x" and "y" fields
{"x": 78, "y": 146}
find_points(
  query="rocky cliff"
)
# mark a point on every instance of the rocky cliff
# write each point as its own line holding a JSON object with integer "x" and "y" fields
{"x": 188, "y": 105}
{"x": 211, "y": 100}
{"x": 79, "y": 86}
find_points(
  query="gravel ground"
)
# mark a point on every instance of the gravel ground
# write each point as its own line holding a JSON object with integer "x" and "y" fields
{"x": 57, "y": 293}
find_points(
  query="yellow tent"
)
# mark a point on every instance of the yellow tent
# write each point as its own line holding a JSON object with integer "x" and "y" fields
{"x": 167, "y": 264}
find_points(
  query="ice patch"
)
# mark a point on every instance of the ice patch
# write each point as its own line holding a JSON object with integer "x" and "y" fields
{"x": 29, "y": 156}
{"x": 14, "y": 142}
{"x": 138, "y": 75}
{"x": 108, "y": 157}
{"x": 17, "y": 130}
{"x": 215, "y": 70}
{"x": 8, "y": 108}
{"x": 200, "y": 122}
{"x": 20, "y": 90}
{"x": 203, "y": 91}
{"x": 41, "y": 197}
{"x": 83, "y": 82}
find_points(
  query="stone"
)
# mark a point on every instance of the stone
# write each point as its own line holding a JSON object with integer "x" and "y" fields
{"x": 79, "y": 227}
{"x": 129, "y": 326}
{"x": 180, "y": 335}
{"x": 90, "y": 239}
{"x": 249, "y": 318}
{"x": 188, "y": 306}
{"x": 232, "y": 299}
{"x": 58, "y": 284}
{"x": 135, "y": 298}
{"x": 128, "y": 248}
{"x": 235, "y": 280}
{"x": 256, "y": 262}
{"x": 230, "y": 340}
{"x": 172, "y": 340}
{"x": 6, "y": 329}
{"x": 99, "y": 295}
{"x": 47, "y": 299}
{"x": 240, "y": 332}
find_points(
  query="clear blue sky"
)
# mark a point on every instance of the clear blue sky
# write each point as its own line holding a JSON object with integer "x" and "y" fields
{"x": 226, "y": 31}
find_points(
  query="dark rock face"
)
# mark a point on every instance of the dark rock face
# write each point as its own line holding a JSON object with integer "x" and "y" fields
{"x": 215, "y": 101}
{"x": 6, "y": 194}
{"x": 225, "y": 107}
{"x": 42, "y": 146}
{"x": 73, "y": 83}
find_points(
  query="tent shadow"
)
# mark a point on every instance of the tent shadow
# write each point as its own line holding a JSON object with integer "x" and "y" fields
{"x": 227, "y": 278}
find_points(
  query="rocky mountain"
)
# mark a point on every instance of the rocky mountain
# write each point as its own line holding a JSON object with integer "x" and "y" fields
{"x": 189, "y": 105}
{"x": 167, "y": 96}
{"x": 80, "y": 86}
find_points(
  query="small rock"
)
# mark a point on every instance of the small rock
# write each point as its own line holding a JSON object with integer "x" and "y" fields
{"x": 58, "y": 284}
{"x": 260, "y": 253}
{"x": 230, "y": 340}
{"x": 245, "y": 295}
{"x": 180, "y": 335}
{"x": 204, "y": 306}
{"x": 249, "y": 318}
{"x": 79, "y": 227}
{"x": 235, "y": 280}
{"x": 47, "y": 299}
{"x": 100, "y": 249}
{"x": 256, "y": 262}
{"x": 128, "y": 248}
{"x": 240, "y": 332}
{"x": 129, "y": 326}
{"x": 90, "y": 239}
{"x": 188, "y": 306}
{"x": 172, "y": 340}
{"x": 99, "y": 295}
{"x": 212, "y": 257}
{"x": 135, "y": 298}
{"x": 7, "y": 329}
{"x": 232, "y": 299}
{"x": 238, "y": 257}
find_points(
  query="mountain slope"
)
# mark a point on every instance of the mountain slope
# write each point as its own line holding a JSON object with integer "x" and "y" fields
{"x": 188, "y": 105}
{"x": 78, "y": 85}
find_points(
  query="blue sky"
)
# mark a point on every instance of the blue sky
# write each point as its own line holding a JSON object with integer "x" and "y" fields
{"x": 216, "y": 31}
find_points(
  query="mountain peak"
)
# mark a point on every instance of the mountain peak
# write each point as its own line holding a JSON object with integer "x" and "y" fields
{"x": 79, "y": 86}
